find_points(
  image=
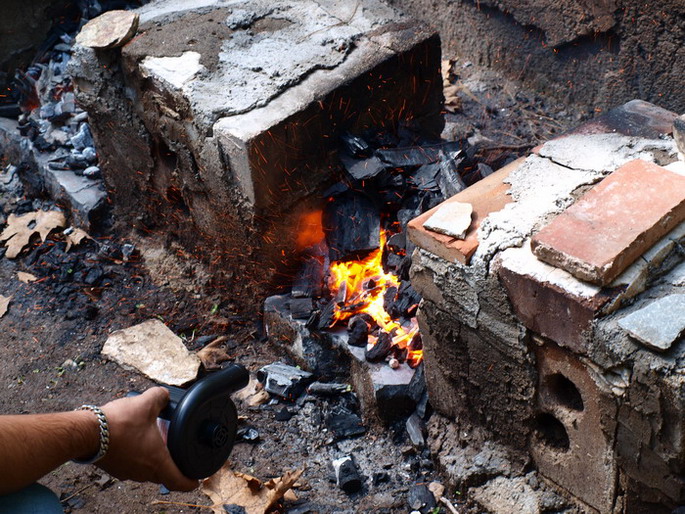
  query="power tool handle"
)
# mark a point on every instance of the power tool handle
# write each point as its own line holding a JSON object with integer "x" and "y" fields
{"x": 175, "y": 395}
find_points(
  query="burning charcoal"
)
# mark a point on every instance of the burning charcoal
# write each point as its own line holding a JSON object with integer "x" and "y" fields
{"x": 309, "y": 279}
{"x": 347, "y": 476}
{"x": 415, "y": 429}
{"x": 417, "y": 155}
{"x": 426, "y": 177}
{"x": 362, "y": 169}
{"x": 405, "y": 303}
{"x": 381, "y": 349}
{"x": 391, "y": 261}
{"x": 327, "y": 388}
{"x": 358, "y": 332}
{"x": 283, "y": 380}
{"x": 248, "y": 434}
{"x": 355, "y": 145}
{"x": 421, "y": 498}
{"x": 343, "y": 424}
{"x": 450, "y": 180}
{"x": 389, "y": 298}
{"x": 325, "y": 318}
{"x": 352, "y": 226}
{"x": 301, "y": 308}
{"x": 415, "y": 344}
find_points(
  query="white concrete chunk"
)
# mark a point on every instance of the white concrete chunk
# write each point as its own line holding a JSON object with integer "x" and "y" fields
{"x": 452, "y": 219}
{"x": 175, "y": 71}
{"x": 154, "y": 350}
{"x": 659, "y": 324}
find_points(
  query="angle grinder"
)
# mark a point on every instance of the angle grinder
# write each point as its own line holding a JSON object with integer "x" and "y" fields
{"x": 201, "y": 422}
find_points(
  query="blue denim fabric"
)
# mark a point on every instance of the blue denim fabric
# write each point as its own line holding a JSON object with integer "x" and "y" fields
{"x": 34, "y": 499}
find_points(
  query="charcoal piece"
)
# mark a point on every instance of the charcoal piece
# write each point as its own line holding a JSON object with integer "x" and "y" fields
{"x": 326, "y": 319}
{"x": 344, "y": 424}
{"x": 354, "y": 145}
{"x": 327, "y": 388}
{"x": 391, "y": 261}
{"x": 309, "y": 280}
{"x": 426, "y": 177}
{"x": 347, "y": 476}
{"x": 389, "y": 299}
{"x": 449, "y": 180}
{"x": 402, "y": 270}
{"x": 82, "y": 138}
{"x": 381, "y": 349}
{"x": 335, "y": 190}
{"x": 358, "y": 332}
{"x": 484, "y": 170}
{"x": 404, "y": 216}
{"x": 301, "y": 308}
{"x": 406, "y": 303}
{"x": 399, "y": 354}
{"x": 422, "y": 407}
{"x": 234, "y": 509}
{"x": 248, "y": 434}
{"x": 282, "y": 380}
{"x": 283, "y": 415}
{"x": 397, "y": 242}
{"x": 430, "y": 199}
{"x": 352, "y": 226}
{"x": 416, "y": 343}
{"x": 415, "y": 431}
{"x": 380, "y": 477}
{"x": 362, "y": 169}
{"x": 421, "y": 498}
{"x": 417, "y": 155}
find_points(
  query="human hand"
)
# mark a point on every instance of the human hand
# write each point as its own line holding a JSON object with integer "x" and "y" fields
{"x": 136, "y": 448}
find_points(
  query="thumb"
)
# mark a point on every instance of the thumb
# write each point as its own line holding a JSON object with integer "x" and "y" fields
{"x": 157, "y": 398}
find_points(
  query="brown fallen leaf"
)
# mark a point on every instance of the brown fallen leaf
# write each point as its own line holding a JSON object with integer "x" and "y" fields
{"x": 213, "y": 354}
{"x": 26, "y": 278}
{"x": 4, "y": 304}
{"x": 75, "y": 238}
{"x": 228, "y": 487}
{"x": 20, "y": 229}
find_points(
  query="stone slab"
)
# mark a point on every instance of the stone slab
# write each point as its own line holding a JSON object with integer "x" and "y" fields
{"x": 154, "y": 350}
{"x": 659, "y": 324}
{"x": 109, "y": 30}
{"x": 614, "y": 223}
{"x": 452, "y": 219}
{"x": 485, "y": 196}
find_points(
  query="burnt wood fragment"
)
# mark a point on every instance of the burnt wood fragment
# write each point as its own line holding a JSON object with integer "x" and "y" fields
{"x": 406, "y": 301}
{"x": 343, "y": 424}
{"x": 363, "y": 169}
{"x": 309, "y": 279}
{"x": 355, "y": 146}
{"x": 327, "y": 388}
{"x": 283, "y": 380}
{"x": 449, "y": 180}
{"x": 352, "y": 225}
{"x": 417, "y": 155}
{"x": 347, "y": 476}
{"x": 426, "y": 177}
{"x": 381, "y": 349}
{"x": 301, "y": 308}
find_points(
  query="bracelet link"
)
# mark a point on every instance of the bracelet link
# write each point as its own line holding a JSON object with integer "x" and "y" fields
{"x": 104, "y": 434}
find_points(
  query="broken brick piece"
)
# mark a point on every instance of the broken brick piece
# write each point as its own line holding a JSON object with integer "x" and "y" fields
{"x": 614, "y": 223}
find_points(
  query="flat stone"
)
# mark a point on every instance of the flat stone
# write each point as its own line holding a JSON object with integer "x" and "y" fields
{"x": 109, "y": 30}
{"x": 452, "y": 219}
{"x": 659, "y": 324}
{"x": 154, "y": 350}
{"x": 614, "y": 223}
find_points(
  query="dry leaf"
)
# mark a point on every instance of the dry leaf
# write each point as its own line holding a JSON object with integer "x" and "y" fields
{"x": 252, "y": 394}
{"x": 26, "y": 278}
{"x": 227, "y": 487}
{"x": 19, "y": 229}
{"x": 75, "y": 238}
{"x": 213, "y": 354}
{"x": 4, "y": 304}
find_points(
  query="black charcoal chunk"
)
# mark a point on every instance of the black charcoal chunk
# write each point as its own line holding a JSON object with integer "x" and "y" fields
{"x": 352, "y": 225}
{"x": 358, "y": 332}
{"x": 355, "y": 145}
{"x": 347, "y": 476}
{"x": 450, "y": 180}
{"x": 309, "y": 280}
{"x": 421, "y": 498}
{"x": 363, "y": 169}
{"x": 417, "y": 155}
{"x": 283, "y": 380}
{"x": 327, "y": 388}
{"x": 343, "y": 424}
{"x": 301, "y": 308}
{"x": 381, "y": 349}
{"x": 415, "y": 430}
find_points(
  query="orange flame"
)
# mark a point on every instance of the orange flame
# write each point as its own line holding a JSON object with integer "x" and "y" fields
{"x": 365, "y": 283}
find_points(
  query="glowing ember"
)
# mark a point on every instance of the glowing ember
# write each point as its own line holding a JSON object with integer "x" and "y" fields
{"x": 365, "y": 283}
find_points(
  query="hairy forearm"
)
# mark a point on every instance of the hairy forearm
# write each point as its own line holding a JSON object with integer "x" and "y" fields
{"x": 33, "y": 445}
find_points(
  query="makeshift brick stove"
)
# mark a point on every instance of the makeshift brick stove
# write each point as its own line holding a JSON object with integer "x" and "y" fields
{"x": 555, "y": 323}
{"x": 219, "y": 123}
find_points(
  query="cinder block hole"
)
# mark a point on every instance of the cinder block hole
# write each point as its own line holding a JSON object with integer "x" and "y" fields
{"x": 551, "y": 432}
{"x": 565, "y": 392}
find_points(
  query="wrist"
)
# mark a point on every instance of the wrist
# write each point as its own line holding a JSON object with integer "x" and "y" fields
{"x": 96, "y": 435}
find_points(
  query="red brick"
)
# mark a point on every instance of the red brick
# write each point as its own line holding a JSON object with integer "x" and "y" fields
{"x": 485, "y": 196}
{"x": 614, "y": 223}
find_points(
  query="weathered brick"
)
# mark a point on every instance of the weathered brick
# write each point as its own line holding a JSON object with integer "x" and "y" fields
{"x": 614, "y": 223}
{"x": 485, "y": 196}
{"x": 575, "y": 426}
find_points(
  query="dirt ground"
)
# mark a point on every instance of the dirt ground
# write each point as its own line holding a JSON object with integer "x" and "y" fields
{"x": 55, "y": 328}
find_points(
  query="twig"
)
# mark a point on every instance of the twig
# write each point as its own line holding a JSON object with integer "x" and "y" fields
{"x": 77, "y": 492}
{"x": 449, "y": 505}
{"x": 181, "y": 504}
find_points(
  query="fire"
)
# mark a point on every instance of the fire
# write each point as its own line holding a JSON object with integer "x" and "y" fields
{"x": 360, "y": 287}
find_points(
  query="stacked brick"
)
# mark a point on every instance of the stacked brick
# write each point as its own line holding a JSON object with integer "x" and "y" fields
{"x": 556, "y": 323}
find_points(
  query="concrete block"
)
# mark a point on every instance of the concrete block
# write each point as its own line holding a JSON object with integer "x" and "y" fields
{"x": 614, "y": 223}
{"x": 575, "y": 424}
